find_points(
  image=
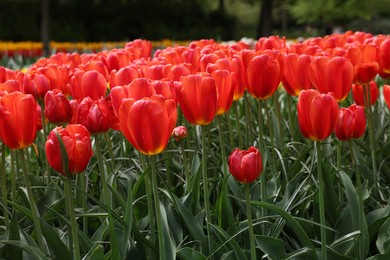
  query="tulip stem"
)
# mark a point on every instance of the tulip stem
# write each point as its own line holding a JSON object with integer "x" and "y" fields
{"x": 321, "y": 200}
{"x": 262, "y": 176}
{"x": 185, "y": 166}
{"x": 160, "y": 231}
{"x": 149, "y": 201}
{"x": 102, "y": 172}
{"x": 248, "y": 117}
{"x": 360, "y": 199}
{"x": 271, "y": 136}
{"x": 250, "y": 224}
{"x": 72, "y": 217}
{"x": 44, "y": 128}
{"x": 290, "y": 118}
{"x": 33, "y": 206}
{"x": 4, "y": 187}
{"x": 238, "y": 125}
{"x": 13, "y": 177}
{"x": 279, "y": 117}
{"x": 229, "y": 124}
{"x": 205, "y": 187}
{"x": 222, "y": 143}
{"x": 367, "y": 106}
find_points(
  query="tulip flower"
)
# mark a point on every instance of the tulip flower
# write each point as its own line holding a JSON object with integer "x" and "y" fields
{"x": 365, "y": 61}
{"x": 137, "y": 89}
{"x": 225, "y": 90}
{"x": 358, "y": 93}
{"x": 148, "y": 122}
{"x": 179, "y": 132}
{"x": 37, "y": 85}
{"x": 90, "y": 83}
{"x": 197, "y": 97}
{"x": 264, "y": 74}
{"x": 57, "y": 107}
{"x": 245, "y": 165}
{"x": 18, "y": 120}
{"x": 332, "y": 75}
{"x": 351, "y": 123}
{"x": 386, "y": 94}
{"x": 296, "y": 73}
{"x": 95, "y": 115}
{"x": 317, "y": 114}
{"x": 123, "y": 76}
{"x": 384, "y": 62}
{"x": 77, "y": 144}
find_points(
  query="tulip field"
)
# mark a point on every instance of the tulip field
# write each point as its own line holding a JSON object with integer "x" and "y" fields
{"x": 270, "y": 149}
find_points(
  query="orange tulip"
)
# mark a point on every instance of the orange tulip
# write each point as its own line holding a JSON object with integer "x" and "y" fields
{"x": 245, "y": 165}
{"x": 317, "y": 114}
{"x": 358, "y": 93}
{"x": 197, "y": 97}
{"x": 148, "y": 123}
{"x": 351, "y": 123}
{"x": 77, "y": 144}
{"x": 296, "y": 73}
{"x": 18, "y": 120}
{"x": 332, "y": 75}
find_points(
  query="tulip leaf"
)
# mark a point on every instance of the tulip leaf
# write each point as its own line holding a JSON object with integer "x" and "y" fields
{"x": 187, "y": 253}
{"x": 96, "y": 253}
{"x": 375, "y": 220}
{"x": 383, "y": 240}
{"x": 35, "y": 252}
{"x": 294, "y": 225}
{"x": 272, "y": 246}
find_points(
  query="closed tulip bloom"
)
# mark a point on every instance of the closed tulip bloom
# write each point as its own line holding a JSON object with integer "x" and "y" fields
{"x": 365, "y": 61}
{"x": 358, "y": 93}
{"x": 264, "y": 74}
{"x": 95, "y": 115}
{"x": 37, "y": 85}
{"x": 148, "y": 123}
{"x": 123, "y": 76}
{"x": 384, "y": 62}
{"x": 386, "y": 94}
{"x": 88, "y": 84}
{"x": 332, "y": 75}
{"x": 225, "y": 90}
{"x": 137, "y": 89}
{"x": 77, "y": 144}
{"x": 179, "y": 132}
{"x": 245, "y": 165}
{"x": 197, "y": 97}
{"x": 18, "y": 120}
{"x": 57, "y": 107}
{"x": 317, "y": 114}
{"x": 351, "y": 123}
{"x": 296, "y": 74}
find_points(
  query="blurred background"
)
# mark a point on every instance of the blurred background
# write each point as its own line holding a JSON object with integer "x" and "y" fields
{"x": 125, "y": 20}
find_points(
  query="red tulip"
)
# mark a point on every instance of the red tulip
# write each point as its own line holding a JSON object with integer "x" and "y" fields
{"x": 351, "y": 123}
{"x": 137, "y": 89}
{"x": 225, "y": 90}
{"x": 317, "y": 114}
{"x": 245, "y": 165}
{"x": 95, "y": 115}
{"x": 90, "y": 83}
{"x": 264, "y": 74}
{"x": 37, "y": 85}
{"x": 77, "y": 144}
{"x": 384, "y": 62}
{"x": 18, "y": 120}
{"x": 386, "y": 94}
{"x": 124, "y": 76}
{"x": 57, "y": 107}
{"x": 296, "y": 73}
{"x": 148, "y": 123}
{"x": 365, "y": 61}
{"x": 197, "y": 97}
{"x": 332, "y": 75}
{"x": 358, "y": 93}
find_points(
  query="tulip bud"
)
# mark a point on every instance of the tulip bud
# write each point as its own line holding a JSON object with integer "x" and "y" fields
{"x": 179, "y": 132}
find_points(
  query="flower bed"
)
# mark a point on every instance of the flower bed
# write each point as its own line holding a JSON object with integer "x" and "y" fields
{"x": 198, "y": 151}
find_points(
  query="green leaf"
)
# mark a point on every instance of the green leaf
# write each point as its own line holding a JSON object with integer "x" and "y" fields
{"x": 170, "y": 245}
{"x": 187, "y": 253}
{"x": 294, "y": 225}
{"x": 375, "y": 220}
{"x": 35, "y": 252}
{"x": 96, "y": 253}
{"x": 14, "y": 251}
{"x": 383, "y": 240}
{"x": 271, "y": 246}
